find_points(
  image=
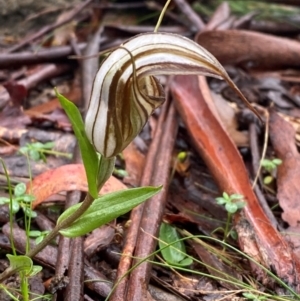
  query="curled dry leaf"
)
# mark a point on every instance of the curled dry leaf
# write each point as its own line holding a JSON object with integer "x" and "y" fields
{"x": 126, "y": 91}
{"x": 248, "y": 49}
{"x": 65, "y": 178}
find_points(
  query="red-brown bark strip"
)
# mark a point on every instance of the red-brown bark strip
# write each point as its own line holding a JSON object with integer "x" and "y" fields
{"x": 227, "y": 167}
{"x": 136, "y": 213}
{"x": 153, "y": 210}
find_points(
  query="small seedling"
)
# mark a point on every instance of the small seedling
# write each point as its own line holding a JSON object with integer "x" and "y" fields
{"x": 232, "y": 204}
{"x": 20, "y": 200}
{"x": 38, "y": 151}
{"x": 270, "y": 166}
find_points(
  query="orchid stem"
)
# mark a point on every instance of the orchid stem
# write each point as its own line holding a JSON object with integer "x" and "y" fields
{"x": 161, "y": 16}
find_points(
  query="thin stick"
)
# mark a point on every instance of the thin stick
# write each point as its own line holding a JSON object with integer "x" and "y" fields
{"x": 161, "y": 16}
{"x": 263, "y": 155}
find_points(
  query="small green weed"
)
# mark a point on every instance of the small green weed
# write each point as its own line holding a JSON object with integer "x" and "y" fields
{"x": 38, "y": 151}
{"x": 232, "y": 204}
{"x": 20, "y": 200}
{"x": 270, "y": 166}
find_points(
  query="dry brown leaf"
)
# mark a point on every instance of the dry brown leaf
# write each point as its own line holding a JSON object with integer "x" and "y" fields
{"x": 65, "y": 178}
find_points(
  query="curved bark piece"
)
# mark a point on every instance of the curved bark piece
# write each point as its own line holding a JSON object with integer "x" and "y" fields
{"x": 248, "y": 49}
{"x": 227, "y": 167}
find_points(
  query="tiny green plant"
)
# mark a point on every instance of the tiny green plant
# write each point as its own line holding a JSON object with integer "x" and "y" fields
{"x": 23, "y": 265}
{"x": 20, "y": 200}
{"x": 38, "y": 151}
{"x": 270, "y": 166}
{"x": 232, "y": 204}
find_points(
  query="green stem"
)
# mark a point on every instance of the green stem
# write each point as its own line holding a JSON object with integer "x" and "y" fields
{"x": 161, "y": 16}
{"x": 228, "y": 221}
{"x": 51, "y": 152}
{"x": 24, "y": 287}
{"x": 64, "y": 224}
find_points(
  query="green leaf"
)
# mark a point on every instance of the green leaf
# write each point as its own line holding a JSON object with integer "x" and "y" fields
{"x": 121, "y": 173}
{"x": 28, "y": 198}
{"x": 105, "y": 209}
{"x": 234, "y": 234}
{"x": 226, "y": 196}
{"x": 277, "y": 161}
{"x": 20, "y": 262}
{"x": 236, "y": 196}
{"x": 20, "y": 189}
{"x": 231, "y": 207}
{"x": 182, "y": 156}
{"x": 36, "y": 145}
{"x": 240, "y": 204}
{"x": 15, "y": 207}
{"x": 34, "y": 154}
{"x": 185, "y": 262}
{"x": 29, "y": 212}
{"x": 221, "y": 201}
{"x": 268, "y": 180}
{"x": 23, "y": 150}
{"x": 4, "y": 200}
{"x": 35, "y": 270}
{"x": 39, "y": 239}
{"x": 88, "y": 153}
{"x": 35, "y": 233}
{"x": 48, "y": 145}
{"x": 175, "y": 254}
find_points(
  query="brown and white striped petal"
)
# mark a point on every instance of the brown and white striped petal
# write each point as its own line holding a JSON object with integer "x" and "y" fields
{"x": 126, "y": 92}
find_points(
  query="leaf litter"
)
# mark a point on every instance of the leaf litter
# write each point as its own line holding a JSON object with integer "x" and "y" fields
{"x": 214, "y": 131}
